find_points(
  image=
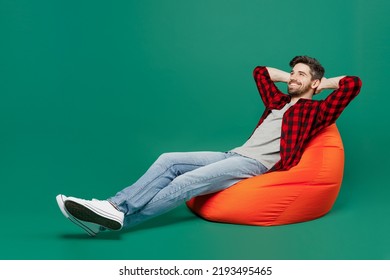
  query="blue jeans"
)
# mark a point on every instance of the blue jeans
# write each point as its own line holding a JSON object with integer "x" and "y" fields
{"x": 177, "y": 177}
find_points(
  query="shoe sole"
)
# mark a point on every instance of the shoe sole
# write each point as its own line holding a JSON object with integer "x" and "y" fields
{"x": 85, "y": 214}
{"x": 61, "y": 205}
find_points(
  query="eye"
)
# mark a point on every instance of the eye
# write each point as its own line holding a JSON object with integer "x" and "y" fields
{"x": 302, "y": 74}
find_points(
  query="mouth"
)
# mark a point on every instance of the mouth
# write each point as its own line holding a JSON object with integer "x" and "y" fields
{"x": 294, "y": 83}
{"x": 294, "y": 86}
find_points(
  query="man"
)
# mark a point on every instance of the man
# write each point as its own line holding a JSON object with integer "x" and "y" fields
{"x": 277, "y": 143}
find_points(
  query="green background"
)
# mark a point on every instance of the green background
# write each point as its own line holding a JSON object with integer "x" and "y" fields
{"x": 93, "y": 91}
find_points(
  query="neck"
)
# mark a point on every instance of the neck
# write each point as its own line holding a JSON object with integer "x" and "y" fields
{"x": 307, "y": 95}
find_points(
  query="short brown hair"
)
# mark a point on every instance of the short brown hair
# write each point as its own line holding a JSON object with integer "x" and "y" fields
{"x": 316, "y": 69}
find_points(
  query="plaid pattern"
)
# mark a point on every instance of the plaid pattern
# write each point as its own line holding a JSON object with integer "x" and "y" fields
{"x": 306, "y": 118}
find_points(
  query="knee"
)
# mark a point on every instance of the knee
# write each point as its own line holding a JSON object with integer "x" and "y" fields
{"x": 166, "y": 159}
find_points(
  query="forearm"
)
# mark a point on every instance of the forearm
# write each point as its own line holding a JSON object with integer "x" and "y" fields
{"x": 331, "y": 83}
{"x": 277, "y": 75}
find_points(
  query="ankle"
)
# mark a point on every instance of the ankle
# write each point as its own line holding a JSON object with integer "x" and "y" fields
{"x": 113, "y": 205}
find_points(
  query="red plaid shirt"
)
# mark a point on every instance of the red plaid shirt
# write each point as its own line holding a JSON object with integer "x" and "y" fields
{"x": 306, "y": 118}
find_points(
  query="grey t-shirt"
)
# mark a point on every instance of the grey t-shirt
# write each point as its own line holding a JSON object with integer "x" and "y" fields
{"x": 264, "y": 144}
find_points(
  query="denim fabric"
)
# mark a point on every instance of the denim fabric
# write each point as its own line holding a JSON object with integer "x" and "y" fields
{"x": 177, "y": 177}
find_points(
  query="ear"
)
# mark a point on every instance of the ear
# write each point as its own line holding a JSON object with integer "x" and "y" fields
{"x": 315, "y": 83}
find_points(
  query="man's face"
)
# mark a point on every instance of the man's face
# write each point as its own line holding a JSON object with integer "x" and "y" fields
{"x": 300, "y": 80}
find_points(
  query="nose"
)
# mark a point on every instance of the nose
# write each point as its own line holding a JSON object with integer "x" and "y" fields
{"x": 293, "y": 76}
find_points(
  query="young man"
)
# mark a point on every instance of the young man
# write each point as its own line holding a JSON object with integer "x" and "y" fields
{"x": 277, "y": 143}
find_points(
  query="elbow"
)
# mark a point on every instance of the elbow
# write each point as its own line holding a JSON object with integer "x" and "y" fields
{"x": 351, "y": 83}
{"x": 358, "y": 84}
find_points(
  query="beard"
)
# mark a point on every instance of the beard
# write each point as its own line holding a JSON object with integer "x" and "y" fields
{"x": 297, "y": 91}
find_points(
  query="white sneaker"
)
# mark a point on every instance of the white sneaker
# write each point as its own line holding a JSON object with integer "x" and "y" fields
{"x": 91, "y": 228}
{"x": 100, "y": 212}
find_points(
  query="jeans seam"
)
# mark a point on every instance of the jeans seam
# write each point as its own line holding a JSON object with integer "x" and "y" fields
{"x": 171, "y": 165}
{"x": 221, "y": 174}
{"x": 186, "y": 185}
{"x": 141, "y": 188}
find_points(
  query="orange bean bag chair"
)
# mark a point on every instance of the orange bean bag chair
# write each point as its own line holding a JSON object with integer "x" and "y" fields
{"x": 305, "y": 192}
